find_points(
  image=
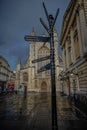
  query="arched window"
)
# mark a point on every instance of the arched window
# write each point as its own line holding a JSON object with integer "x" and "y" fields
{"x": 25, "y": 76}
{"x": 43, "y": 52}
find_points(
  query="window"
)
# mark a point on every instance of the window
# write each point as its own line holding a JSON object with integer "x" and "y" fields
{"x": 43, "y": 51}
{"x": 25, "y": 76}
{"x": 76, "y": 44}
{"x": 69, "y": 51}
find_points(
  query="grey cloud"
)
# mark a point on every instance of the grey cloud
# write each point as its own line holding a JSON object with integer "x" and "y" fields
{"x": 17, "y": 17}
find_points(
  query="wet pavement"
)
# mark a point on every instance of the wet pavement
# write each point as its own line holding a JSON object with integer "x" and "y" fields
{"x": 33, "y": 112}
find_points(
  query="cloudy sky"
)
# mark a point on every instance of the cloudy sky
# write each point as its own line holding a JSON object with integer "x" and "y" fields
{"x": 17, "y": 18}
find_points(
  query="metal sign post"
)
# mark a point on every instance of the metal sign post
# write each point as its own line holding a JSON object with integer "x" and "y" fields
{"x": 41, "y": 59}
{"x": 44, "y": 68}
{"x": 36, "y": 38}
{"x": 51, "y": 21}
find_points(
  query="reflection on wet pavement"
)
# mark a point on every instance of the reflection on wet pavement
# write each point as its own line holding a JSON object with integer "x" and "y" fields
{"x": 33, "y": 112}
{"x": 65, "y": 110}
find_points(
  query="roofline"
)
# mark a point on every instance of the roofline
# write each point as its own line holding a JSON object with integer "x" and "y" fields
{"x": 4, "y": 60}
{"x": 65, "y": 14}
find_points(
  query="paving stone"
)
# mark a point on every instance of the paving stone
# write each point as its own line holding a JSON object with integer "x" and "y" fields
{"x": 34, "y": 113}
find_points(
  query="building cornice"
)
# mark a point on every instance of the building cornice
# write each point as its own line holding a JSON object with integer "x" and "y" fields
{"x": 71, "y": 10}
{"x": 4, "y": 60}
{"x": 78, "y": 63}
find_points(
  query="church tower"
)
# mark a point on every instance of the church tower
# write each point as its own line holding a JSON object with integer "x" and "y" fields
{"x": 31, "y": 65}
{"x": 19, "y": 64}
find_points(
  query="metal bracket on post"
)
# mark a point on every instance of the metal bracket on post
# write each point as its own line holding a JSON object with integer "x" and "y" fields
{"x": 44, "y": 25}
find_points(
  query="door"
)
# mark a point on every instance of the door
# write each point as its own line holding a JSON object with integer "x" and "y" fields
{"x": 44, "y": 87}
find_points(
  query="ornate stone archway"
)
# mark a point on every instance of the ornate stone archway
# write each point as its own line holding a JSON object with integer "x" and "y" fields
{"x": 43, "y": 86}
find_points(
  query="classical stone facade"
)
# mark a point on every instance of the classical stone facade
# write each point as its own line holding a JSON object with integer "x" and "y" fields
{"x": 27, "y": 75}
{"x": 74, "y": 46}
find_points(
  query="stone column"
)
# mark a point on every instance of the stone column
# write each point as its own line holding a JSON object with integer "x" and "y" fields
{"x": 72, "y": 47}
{"x": 64, "y": 59}
{"x": 79, "y": 35}
{"x": 83, "y": 27}
{"x": 36, "y": 57}
{"x": 67, "y": 57}
{"x": 33, "y": 80}
{"x": 78, "y": 87}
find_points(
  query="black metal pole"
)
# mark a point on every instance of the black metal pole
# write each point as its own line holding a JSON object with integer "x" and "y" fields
{"x": 53, "y": 86}
{"x": 51, "y": 21}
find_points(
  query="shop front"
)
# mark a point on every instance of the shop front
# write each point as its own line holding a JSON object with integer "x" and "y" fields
{"x": 11, "y": 86}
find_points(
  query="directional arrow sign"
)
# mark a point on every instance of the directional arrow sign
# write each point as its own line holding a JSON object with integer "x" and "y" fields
{"x": 37, "y": 38}
{"x": 44, "y": 68}
{"x": 41, "y": 59}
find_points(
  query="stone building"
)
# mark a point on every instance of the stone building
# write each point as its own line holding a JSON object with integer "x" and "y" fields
{"x": 27, "y": 75}
{"x": 6, "y": 73}
{"x": 74, "y": 46}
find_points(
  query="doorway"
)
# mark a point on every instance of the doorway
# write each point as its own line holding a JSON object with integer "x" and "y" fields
{"x": 43, "y": 86}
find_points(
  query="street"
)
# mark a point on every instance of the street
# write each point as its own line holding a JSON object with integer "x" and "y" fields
{"x": 33, "y": 112}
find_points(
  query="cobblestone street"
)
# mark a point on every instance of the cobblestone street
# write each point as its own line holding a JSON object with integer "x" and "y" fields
{"x": 33, "y": 112}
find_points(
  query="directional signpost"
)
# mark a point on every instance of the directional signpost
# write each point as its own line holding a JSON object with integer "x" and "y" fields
{"x": 51, "y": 21}
{"x": 37, "y": 38}
{"x": 44, "y": 68}
{"x": 41, "y": 59}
